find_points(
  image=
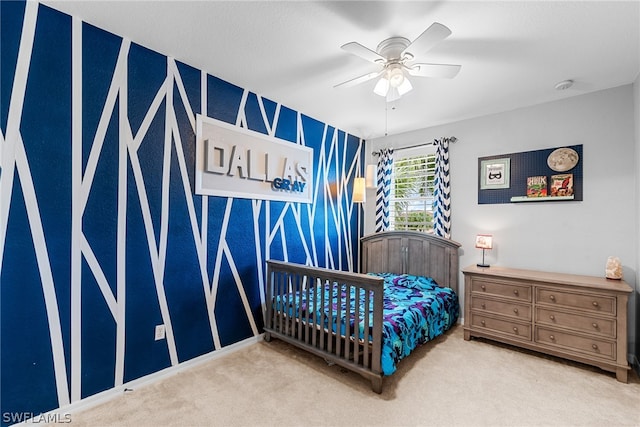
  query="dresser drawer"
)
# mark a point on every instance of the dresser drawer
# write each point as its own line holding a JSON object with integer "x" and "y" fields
{"x": 501, "y": 289}
{"x": 504, "y": 326}
{"x": 505, "y": 308}
{"x": 596, "y": 303}
{"x": 591, "y": 346}
{"x": 578, "y": 322}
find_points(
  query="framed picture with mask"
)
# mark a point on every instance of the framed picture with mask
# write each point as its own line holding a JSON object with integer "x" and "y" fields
{"x": 495, "y": 173}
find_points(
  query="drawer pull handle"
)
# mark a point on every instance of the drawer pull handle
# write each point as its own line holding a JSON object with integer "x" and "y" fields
{"x": 595, "y": 303}
{"x": 552, "y": 297}
{"x": 515, "y": 330}
{"x": 552, "y": 338}
{"x": 483, "y": 306}
{"x": 482, "y": 322}
{"x": 483, "y": 287}
{"x": 515, "y": 310}
{"x": 595, "y": 325}
{"x": 515, "y": 291}
{"x": 594, "y": 346}
{"x": 552, "y": 317}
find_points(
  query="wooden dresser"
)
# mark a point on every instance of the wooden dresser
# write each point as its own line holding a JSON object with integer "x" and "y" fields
{"x": 582, "y": 318}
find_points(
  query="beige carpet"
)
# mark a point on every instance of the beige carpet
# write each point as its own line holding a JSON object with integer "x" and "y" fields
{"x": 448, "y": 382}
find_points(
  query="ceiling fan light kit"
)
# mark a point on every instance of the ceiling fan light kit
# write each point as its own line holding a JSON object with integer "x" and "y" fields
{"x": 396, "y": 76}
{"x": 393, "y": 54}
{"x": 393, "y": 83}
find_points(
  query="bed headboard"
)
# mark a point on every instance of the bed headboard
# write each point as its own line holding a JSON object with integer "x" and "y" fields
{"x": 411, "y": 252}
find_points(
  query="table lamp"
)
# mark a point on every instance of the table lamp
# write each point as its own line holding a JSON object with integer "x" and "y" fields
{"x": 484, "y": 241}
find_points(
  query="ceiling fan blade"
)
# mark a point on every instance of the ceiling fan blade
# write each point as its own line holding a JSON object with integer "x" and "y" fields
{"x": 428, "y": 39}
{"x": 360, "y": 79}
{"x": 444, "y": 71}
{"x": 363, "y": 52}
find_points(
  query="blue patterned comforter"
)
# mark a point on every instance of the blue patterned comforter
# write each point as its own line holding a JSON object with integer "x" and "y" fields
{"x": 416, "y": 310}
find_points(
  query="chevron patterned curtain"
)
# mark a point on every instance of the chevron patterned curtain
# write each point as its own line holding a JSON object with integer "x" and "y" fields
{"x": 442, "y": 190}
{"x": 385, "y": 166}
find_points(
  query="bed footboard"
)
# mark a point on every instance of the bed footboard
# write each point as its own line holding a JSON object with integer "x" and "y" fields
{"x": 307, "y": 307}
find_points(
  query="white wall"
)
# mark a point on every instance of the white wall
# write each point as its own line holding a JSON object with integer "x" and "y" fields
{"x": 569, "y": 237}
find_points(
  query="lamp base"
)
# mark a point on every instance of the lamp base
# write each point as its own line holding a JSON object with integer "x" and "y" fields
{"x": 483, "y": 265}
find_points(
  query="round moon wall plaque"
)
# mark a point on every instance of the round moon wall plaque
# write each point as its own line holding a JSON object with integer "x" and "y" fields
{"x": 563, "y": 159}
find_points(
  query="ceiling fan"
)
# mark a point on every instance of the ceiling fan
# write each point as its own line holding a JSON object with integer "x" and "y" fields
{"x": 396, "y": 54}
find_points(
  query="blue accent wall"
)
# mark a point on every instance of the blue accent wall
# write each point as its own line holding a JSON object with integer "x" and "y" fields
{"x": 101, "y": 235}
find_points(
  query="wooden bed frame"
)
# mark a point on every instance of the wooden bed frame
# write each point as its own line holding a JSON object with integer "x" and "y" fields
{"x": 399, "y": 252}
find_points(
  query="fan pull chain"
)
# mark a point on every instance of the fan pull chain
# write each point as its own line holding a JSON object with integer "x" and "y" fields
{"x": 386, "y": 119}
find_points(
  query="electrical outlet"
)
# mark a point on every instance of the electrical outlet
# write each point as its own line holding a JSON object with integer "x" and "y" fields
{"x": 159, "y": 332}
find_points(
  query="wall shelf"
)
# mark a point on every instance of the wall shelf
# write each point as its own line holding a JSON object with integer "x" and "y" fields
{"x": 518, "y": 199}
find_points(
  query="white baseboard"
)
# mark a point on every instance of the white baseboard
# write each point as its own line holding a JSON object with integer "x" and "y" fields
{"x": 63, "y": 413}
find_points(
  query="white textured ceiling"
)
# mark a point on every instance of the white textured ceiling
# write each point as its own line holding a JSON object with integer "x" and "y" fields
{"x": 512, "y": 53}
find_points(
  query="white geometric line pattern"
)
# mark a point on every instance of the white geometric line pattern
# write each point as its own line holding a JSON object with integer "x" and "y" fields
{"x": 79, "y": 244}
{"x": 158, "y": 222}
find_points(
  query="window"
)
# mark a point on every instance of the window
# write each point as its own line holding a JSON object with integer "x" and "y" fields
{"x": 411, "y": 199}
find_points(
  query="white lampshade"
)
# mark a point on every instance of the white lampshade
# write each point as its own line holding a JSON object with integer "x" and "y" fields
{"x": 371, "y": 176}
{"x": 484, "y": 241}
{"x": 359, "y": 194}
{"x": 404, "y": 87}
{"x": 393, "y": 94}
{"x": 382, "y": 87}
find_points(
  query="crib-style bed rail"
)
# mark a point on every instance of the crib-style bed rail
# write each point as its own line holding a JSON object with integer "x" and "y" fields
{"x": 328, "y": 313}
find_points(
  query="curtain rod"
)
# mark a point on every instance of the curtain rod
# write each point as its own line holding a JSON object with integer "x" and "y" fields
{"x": 451, "y": 139}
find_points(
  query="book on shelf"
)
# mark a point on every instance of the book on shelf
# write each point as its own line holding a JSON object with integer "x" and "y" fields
{"x": 562, "y": 185}
{"x": 537, "y": 186}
